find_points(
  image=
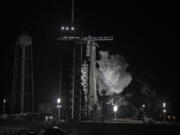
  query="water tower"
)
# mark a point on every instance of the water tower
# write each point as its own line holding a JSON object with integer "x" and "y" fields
{"x": 22, "y": 89}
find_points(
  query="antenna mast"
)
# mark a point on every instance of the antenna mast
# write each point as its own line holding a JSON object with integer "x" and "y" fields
{"x": 72, "y": 12}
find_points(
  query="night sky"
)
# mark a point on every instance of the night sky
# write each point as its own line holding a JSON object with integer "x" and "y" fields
{"x": 145, "y": 34}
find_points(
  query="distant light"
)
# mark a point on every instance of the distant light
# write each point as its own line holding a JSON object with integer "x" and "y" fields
{"x": 55, "y": 127}
{"x": 143, "y": 105}
{"x": 62, "y": 28}
{"x": 115, "y": 108}
{"x": 164, "y": 110}
{"x": 4, "y": 101}
{"x": 72, "y": 28}
{"x": 58, "y": 106}
{"x": 67, "y": 28}
{"x": 58, "y": 100}
{"x": 174, "y": 117}
{"x": 164, "y": 104}
{"x": 169, "y": 117}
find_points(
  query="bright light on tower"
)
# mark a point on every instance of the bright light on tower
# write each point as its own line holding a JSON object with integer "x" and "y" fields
{"x": 164, "y": 110}
{"x": 115, "y": 108}
{"x": 72, "y": 28}
{"x": 164, "y": 104}
{"x": 67, "y": 28}
{"x": 62, "y": 28}
{"x": 58, "y": 100}
{"x": 4, "y": 101}
{"x": 143, "y": 105}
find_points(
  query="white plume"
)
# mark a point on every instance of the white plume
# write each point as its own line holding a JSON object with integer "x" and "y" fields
{"x": 111, "y": 75}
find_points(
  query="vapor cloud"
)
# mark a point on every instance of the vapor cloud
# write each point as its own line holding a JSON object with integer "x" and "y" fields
{"x": 112, "y": 77}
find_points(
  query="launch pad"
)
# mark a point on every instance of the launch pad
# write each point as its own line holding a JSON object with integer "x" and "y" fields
{"x": 119, "y": 126}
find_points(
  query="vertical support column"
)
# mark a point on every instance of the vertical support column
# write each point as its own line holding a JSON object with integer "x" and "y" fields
{"x": 13, "y": 100}
{"x": 32, "y": 80}
{"x": 85, "y": 85}
{"x": 60, "y": 81}
{"x": 74, "y": 75}
{"x": 23, "y": 77}
{"x": 88, "y": 55}
{"x": 80, "y": 94}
